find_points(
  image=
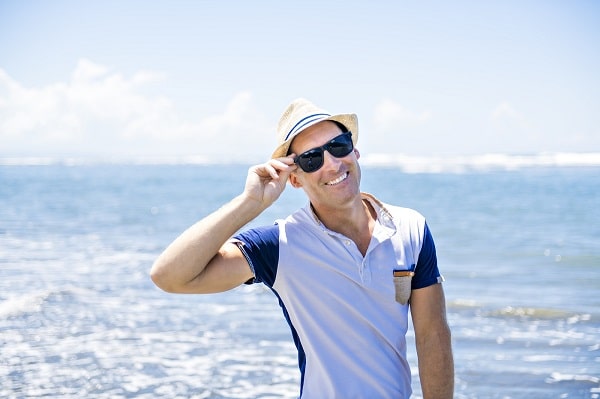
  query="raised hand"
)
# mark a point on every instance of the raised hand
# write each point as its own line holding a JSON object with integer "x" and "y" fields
{"x": 266, "y": 182}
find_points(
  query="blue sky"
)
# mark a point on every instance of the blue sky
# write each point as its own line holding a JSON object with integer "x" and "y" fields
{"x": 210, "y": 79}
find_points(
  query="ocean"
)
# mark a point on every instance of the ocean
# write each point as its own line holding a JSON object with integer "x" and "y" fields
{"x": 519, "y": 248}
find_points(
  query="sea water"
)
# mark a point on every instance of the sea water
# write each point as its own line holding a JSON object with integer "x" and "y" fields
{"x": 80, "y": 318}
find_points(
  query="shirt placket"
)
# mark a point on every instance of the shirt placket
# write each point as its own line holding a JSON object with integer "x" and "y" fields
{"x": 354, "y": 253}
{"x": 381, "y": 232}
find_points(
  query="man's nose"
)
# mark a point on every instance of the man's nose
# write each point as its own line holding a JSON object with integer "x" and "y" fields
{"x": 330, "y": 162}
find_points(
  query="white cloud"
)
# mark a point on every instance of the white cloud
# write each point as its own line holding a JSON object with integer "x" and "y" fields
{"x": 506, "y": 119}
{"x": 389, "y": 114}
{"x": 505, "y": 110}
{"x": 512, "y": 131}
{"x": 101, "y": 112}
{"x": 241, "y": 132}
{"x": 70, "y": 111}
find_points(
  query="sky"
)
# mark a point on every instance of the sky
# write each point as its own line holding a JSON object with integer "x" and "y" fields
{"x": 210, "y": 79}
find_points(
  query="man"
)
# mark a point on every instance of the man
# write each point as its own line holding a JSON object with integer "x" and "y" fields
{"x": 345, "y": 268}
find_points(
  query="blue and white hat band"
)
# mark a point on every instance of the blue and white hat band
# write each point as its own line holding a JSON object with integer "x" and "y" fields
{"x": 305, "y": 121}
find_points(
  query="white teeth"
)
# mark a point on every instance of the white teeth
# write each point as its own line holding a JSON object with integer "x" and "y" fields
{"x": 338, "y": 180}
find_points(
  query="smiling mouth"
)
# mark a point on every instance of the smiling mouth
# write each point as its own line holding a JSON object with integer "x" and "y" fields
{"x": 338, "y": 180}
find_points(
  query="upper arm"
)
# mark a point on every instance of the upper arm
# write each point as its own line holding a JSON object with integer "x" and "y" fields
{"x": 428, "y": 309}
{"x": 250, "y": 254}
{"x": 226, "y": 270}
{"x": 433, "y": 342}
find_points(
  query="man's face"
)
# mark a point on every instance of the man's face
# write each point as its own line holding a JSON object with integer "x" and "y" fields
{"x": 337, "y": 181}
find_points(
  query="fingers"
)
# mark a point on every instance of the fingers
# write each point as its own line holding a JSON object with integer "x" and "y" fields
{"x": 285, "y": 164}
{"x": 278, "y": 167}
{"x": 265, "y": 182}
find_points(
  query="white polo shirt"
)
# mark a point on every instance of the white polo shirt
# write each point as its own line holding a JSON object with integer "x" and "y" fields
{"x": 341, "y": 307}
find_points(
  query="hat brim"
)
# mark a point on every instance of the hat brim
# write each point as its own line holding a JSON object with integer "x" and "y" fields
{"x": 350, "y": 121}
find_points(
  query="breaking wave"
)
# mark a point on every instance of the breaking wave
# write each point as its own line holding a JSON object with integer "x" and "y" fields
{"x": 485, "y": 162}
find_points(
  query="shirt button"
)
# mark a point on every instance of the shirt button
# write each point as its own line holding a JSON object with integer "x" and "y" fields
{"x": 347, "y": 242}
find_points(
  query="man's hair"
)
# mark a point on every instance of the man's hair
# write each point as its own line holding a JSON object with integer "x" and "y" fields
{"x": 341, "y": 126}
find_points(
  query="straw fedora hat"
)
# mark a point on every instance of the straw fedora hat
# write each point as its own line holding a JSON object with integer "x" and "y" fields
{"x": 301, "y": 114}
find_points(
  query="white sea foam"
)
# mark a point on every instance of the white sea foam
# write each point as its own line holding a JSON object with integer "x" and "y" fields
{"x": 22, "y": 304}
{"x": 558, "y": 377}
{"x": 485, "y": 162}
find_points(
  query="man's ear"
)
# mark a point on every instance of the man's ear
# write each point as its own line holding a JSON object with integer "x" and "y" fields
{"x": 294, "y": 181}
{"x": 357, "y": 153}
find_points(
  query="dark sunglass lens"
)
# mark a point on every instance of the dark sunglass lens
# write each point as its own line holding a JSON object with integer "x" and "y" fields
{"x": 311, "y": 160}
{"x": 340, "y": 146}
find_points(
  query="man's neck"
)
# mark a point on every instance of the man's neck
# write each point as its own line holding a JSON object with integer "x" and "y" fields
{"x": 355, "y": 221}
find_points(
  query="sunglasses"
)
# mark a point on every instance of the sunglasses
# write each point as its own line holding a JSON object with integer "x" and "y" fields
{"x": 312, "y": 160}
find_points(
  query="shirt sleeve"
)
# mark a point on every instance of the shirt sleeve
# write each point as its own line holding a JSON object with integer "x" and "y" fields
{"x": 260, "y": 247}
{"x": 426, "y": 270}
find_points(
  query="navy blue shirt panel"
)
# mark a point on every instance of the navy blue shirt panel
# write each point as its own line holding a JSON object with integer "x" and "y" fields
{"x": 426, "y": 272}
{"x": 261, "y": 249}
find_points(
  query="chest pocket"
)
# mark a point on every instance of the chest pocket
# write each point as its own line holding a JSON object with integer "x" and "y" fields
{"x": 385, "y": 262}
{"x": 406, "y": 260}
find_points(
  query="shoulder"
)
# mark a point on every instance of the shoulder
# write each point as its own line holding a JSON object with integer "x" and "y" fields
{"x": 259, "y": 236}
{"x": 404, "y": 214}
{"x": 400, "y": 216}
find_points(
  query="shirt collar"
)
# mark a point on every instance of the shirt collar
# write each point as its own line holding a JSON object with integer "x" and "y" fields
{"x": 384, "y": 217}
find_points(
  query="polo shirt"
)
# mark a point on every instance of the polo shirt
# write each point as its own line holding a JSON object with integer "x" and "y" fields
{"x": 346, "y": 322}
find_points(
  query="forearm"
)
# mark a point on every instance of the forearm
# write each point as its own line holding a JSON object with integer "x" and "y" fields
{"x": 186, "y": 257}
{"x": 436, "y": 364}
